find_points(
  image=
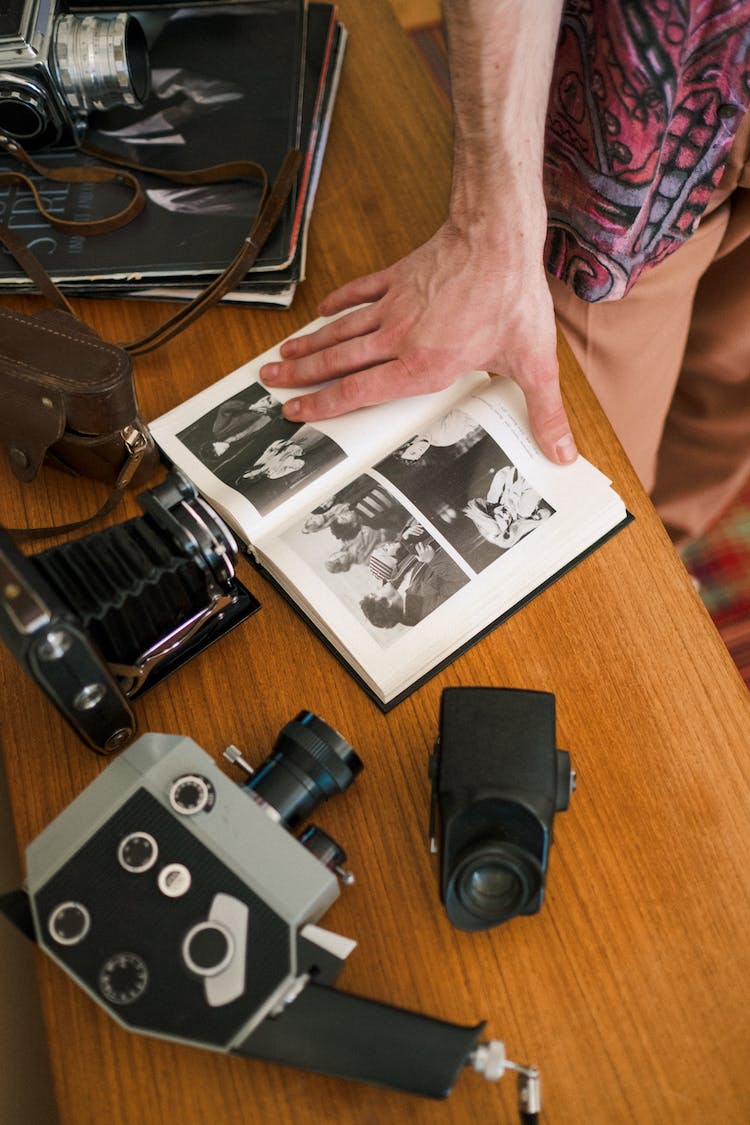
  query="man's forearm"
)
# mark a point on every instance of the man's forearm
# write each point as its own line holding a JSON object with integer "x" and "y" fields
{"x": 501, "y": 55}
{"x": 475, "y": 295}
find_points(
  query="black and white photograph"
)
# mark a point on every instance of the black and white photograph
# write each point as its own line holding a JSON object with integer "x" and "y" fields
{"x": 465, "y": 484}
{"x": 382, "y": 564}
{"x": 248, "y": 444}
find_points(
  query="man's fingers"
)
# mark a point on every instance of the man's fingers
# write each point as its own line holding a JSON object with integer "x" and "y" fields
{"x": 381, "y": 383}
{"x": 358, "y": 323}
{"x": 359, "y": 354}
{"x": 356, "y": 292}
{"x": 549, "y": 421}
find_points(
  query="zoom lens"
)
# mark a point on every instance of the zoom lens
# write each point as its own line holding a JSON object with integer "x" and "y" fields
{"x": 310, "y": 762}
{"x": 491, "y": 883}
{"x": 101, "y": 61}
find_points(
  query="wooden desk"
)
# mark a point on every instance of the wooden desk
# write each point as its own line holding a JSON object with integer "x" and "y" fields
{"x": 631, "y": 989}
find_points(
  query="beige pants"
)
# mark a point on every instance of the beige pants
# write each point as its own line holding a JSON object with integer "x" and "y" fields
{"x": 670, "y": 362}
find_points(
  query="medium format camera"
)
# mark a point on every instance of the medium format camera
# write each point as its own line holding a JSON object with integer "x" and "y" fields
{"x": 186, "y": 907}
{"x": 97, "y": 620}
{"x": 497, "y": 782}
{"x": 56, "y": 67}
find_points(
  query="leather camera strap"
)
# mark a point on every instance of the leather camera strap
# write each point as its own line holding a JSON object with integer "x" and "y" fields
{"x": 268, "y": 213}
{"x": 135, "y": 443}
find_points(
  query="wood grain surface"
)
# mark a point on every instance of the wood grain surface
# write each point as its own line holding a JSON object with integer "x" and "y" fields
{"x": 631, "y": 988}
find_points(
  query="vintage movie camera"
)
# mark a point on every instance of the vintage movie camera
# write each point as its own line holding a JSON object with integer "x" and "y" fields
{"x": 497, "y": 781}
{"x": 183, "y": 903}
{"x": 56, "y": 67}
{"x": 98, "y": 620}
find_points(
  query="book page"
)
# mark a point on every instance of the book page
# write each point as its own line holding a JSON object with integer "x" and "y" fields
{"x": 256, "y": 467}
{"x": 407, "y": 562}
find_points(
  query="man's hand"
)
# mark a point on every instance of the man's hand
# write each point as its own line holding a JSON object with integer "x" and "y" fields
{"x": 453, "y": 305}
{"x": 475, "y": 294}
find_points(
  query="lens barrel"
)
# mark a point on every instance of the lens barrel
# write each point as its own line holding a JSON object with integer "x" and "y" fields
{"x": 310, "y": 762}
{"x": 101, "y": 61}
{"x": 490, "y": 883}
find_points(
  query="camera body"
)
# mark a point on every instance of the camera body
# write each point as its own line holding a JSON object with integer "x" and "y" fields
{"x": 497, "y": 781}
{"x": 56, "y": 67}
{"x": 183, "y": 904}
{"x": 148, "y": 890}
{"x": 100, "y": 619}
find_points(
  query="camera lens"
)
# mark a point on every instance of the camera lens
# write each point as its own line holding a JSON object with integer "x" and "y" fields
{"x": 491, "y": 887}
{"x": 310, "y": 761}
{"x": 491, "y": 883}
{"x": 21, "y": 111}
{"x": 101, "y": 61}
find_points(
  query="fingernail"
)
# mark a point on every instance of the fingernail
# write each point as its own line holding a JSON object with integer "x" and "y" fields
{"x": 565, "y": 450}
{"x": 270, "y": 372}
{"x": 291, "y": 409}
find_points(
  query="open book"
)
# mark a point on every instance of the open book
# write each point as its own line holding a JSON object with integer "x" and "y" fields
{"x": 402, "y": 532}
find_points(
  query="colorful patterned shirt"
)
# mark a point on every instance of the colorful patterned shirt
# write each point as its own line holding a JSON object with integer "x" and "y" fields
{"x": 645, "y": 102}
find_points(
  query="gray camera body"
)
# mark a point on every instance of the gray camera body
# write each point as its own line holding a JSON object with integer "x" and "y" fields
{"x": 56, "y": 67}
{"x": 183, "y": 905}
{"x": 186, "y": 922}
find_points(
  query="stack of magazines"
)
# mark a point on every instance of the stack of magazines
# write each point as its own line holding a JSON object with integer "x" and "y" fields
{"x": 229, "y": 81}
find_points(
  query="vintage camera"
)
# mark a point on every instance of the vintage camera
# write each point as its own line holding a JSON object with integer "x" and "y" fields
{"x": 97, "y": 620}
{"x": 185, "y": 906}
{"x": 497, "y": 782}
{"x": 56, "y": 67}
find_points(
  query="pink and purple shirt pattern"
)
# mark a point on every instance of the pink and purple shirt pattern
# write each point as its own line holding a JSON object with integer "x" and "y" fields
{"x": 645, "y": 102}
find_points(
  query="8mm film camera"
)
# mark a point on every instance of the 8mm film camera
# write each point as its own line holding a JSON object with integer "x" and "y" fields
{"x": 184, "y": 905}
{"x": 497, "y": 781}
{"x": 56, "y": 67}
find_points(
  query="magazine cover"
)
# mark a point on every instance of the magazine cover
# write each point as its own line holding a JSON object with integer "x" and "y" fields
{"x": 226, "y": 84}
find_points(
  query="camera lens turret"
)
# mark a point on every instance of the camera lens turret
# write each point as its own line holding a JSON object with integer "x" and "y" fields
{"x": 310, "y": 762}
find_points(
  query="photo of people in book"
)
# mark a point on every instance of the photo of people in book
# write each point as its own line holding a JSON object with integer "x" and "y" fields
{"x": 382, "y": 564}
{"x": 465, "y": 485}
{"x": 248, "y": 444}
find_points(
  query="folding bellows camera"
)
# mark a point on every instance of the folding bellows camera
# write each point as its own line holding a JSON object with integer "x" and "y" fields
{"x": 100, "y": 619}
{"x": 56, "y": 67}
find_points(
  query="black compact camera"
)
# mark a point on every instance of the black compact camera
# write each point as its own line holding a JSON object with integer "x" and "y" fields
{"x": 56, "y": 67}
{"x": 188, "y": 908}
{"x": 97, "y": 620}
{"x": 497, "y": 781}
